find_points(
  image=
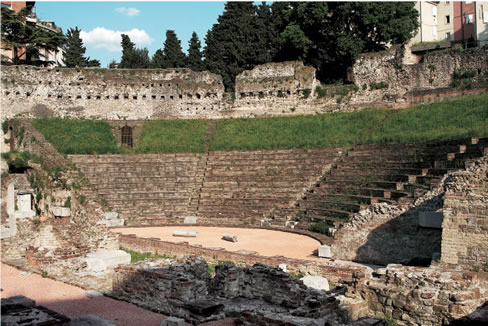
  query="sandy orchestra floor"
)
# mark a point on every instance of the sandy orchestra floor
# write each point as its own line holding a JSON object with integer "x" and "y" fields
{"x": 265, "y": 242}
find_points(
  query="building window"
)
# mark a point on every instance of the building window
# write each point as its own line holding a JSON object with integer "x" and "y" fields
{"x": 434, "y": 31}
{"x": 468, "y": 18}
{"x": 448, "y": 19}
{"x": 448, "y": 36}
{"x": 434, "y": 11}
{"x": 468, "y": 2}
{"x": 127, "y": 136}
{"x": 6, "y": 5}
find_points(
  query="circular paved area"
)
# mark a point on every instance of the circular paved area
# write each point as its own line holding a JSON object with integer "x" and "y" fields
{"x": 264, "y": 242}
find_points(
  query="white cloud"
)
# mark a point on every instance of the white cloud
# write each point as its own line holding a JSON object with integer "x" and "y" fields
{"x": 100, "y": 37}
{"x": 128, "y": 11}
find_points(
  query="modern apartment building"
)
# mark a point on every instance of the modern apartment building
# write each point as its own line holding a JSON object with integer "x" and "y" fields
{"x": 458, "y": 21}
{"x": 55, "y": 57}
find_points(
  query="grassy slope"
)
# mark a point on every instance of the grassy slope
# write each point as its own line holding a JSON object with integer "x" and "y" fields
{"x": 173, "y": 136}
{"x": 458, "y": 118}
{"x": 78, "y": 136}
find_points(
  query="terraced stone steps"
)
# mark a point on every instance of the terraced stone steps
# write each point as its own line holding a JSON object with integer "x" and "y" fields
{"x": 370, "y": 174}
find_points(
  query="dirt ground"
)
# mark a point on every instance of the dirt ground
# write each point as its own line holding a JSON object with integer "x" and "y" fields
{"x": 72, "y": 301}
{"x": 264, "y": 242}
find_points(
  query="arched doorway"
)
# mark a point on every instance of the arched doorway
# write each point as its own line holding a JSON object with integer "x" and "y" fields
{"x": 126, "y": 139}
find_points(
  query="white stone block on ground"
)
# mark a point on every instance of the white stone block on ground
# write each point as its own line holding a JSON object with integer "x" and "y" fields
{"x": 89, "y": 320}
{"x": 190, "y": 220}
{"x": 99, "y": 261}
{"x": 230, "y": 237}
{"x": 282, "y": 267}
{"x": 110, "y": 215}
{"x": 24, "y": 214}
{"x": 188, "y": 234}
{"x": 93, "y": 294}
{"x": 173, "y": 321}
{"x": 24, "y": 202}
{"x": 324, "y": 251}
{"x": 59, "y": 211}
{"x": 431, "y": 219}
{"x": 316, "y": 282}
{"x": 291, "y": 224}
{"x": 4, "y": 233}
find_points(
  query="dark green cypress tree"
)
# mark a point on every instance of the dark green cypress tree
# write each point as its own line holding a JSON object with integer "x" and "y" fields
{"x": 74, "y": 49}
{"x": 173, "y": 56}
{"x": 157, "y": 60}
{"x": 127, "y": 52}
{"x": 233, "y": 44}
{"x": 194, "y": 60}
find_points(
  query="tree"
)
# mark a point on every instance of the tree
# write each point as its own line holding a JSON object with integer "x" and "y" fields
{"x": 74, "y": 51}
{"x": 330, "y": 35}
{"x": 173, "y": 56}
{"x": 157, "y": 59}
{"x": 127, "y": 52}
{"x": 234, "y": 43}
{"x": 194, "y": 60}
{"x": 25, "y": 38}
{"x": 132, "y": 57}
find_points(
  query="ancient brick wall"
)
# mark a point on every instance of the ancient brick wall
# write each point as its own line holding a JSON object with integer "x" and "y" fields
{"x": 435, "y": 70}
{"x": 287, "y": 88}
{"x": 332, "y": 271}
{"x": 110, "y": 94}
{"x": 419, "y": 296}
{"x": 465, "y": 225}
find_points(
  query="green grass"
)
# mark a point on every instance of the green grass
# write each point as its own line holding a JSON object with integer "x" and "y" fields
{"x": 138, "y": 256}
{"x": 173, "y": 136}
{"x": 459, "y": 118}
{"x": 78, "y": 136}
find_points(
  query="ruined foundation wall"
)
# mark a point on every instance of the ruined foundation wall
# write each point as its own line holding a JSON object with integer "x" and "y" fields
{"x": 465, "y": 225}
{"x": 390, "y": 233}
{"x": 272, "y": 89}
{"x": 434, "y": 71}
{"x": 419, "y": 296}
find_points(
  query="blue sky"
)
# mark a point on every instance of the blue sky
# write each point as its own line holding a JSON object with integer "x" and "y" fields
{"x": 145, "y": 22}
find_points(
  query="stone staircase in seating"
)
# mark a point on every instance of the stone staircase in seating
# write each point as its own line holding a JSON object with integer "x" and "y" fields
{"x": 242, "y": 187}
{"x": 369, "y": 174}
{"x": 145, "y": 189}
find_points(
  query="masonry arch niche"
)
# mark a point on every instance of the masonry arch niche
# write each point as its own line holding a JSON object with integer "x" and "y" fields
{"x": 126, "y": 136}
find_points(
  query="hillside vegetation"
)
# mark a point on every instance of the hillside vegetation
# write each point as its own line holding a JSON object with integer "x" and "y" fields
{"x": 459, "y": 118}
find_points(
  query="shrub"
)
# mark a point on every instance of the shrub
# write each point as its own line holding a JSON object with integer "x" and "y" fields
{"x": 280, "y": 94}
{"x": 306, "y": 92}
{"x": 321, "y": 92}
{"x": 379, "y": 85}
{"x": 320, "y": 227}
{"x": 5, "y": 126}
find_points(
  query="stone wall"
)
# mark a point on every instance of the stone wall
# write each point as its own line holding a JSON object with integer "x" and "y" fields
{"x": 434, "y": 71}
{"x": 187, "y": 291}
{"x": 110, "y": 94}
{"x": 286, "y": 88}
{"x": 418, "y": 296}
{"x": 465, "y": 225}
{"x": 333, "y": 271}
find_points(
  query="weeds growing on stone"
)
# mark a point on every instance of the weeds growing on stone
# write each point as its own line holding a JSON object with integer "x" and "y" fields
{"x": 138, "y": 256}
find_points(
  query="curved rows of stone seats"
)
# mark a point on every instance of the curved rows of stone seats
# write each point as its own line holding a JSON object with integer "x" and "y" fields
{"x": 242, "y": 187}
{"x": 145, "y": 189}
{"x": 381, "y": 173}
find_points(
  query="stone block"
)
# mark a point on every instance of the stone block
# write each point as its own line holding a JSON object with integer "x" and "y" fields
{"x": 282, "y": 267}
{"x": 186, "y": 234}
{"x": 291, "y": 224}
{"x": 100, "y": 261}
{"x": 24, "y": 202}
{"x": 10, "y": 199}
{"x": 19, "y": 300}
{"x": 93, "y": 294}
{"x": 230, "y": 237}
{"x": 24, "y": 214}
{"x": 316, "y": 282}
{"x": 190, "y": 220}
{"x": 59, "y": 211}
{"x": 324, "y": 251}
{"x": 431, "y": 219}
{"x": 173, "y": 321}
{"x": 89, "y": 320}
{"x": 4, "y": 233}
{"x": 111, "y": 215}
